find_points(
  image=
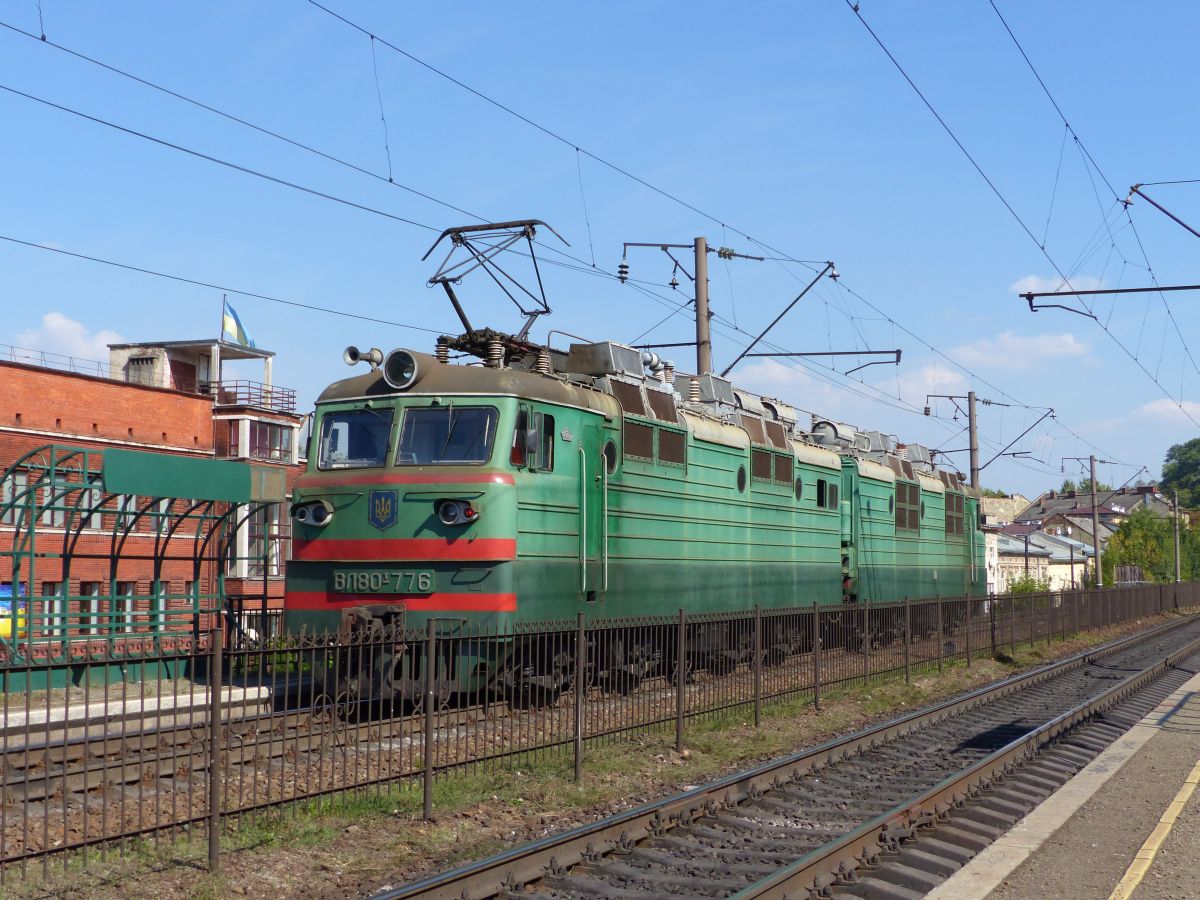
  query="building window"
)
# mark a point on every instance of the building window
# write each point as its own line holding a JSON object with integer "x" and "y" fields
{"x": 12, "y": 497}
{"x": 162, "y": 515}
{"x": 266, "y": 543}
{"x": 89, "y": 607}
{"x": 90, "y": 513}
{"x": 124, "y": 607}
{"x": 269, "y": 441}
{"x": 127, "y": 507}
{"x": 54, "y": 608}
{"x": 54, "y": 507}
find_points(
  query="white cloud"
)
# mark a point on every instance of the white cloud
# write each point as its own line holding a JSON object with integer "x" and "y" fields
{"x": 1164, "y": 411}
{"x": 62, "y": 335}
{"x": 1038, "y": 284}
{"x": 1019, "y": 351}
{"x": 1160, "y": 421}
{"x": 791, "y": 384}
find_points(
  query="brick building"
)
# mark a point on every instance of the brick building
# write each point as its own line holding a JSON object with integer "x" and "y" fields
{"x": 119, "y": 566}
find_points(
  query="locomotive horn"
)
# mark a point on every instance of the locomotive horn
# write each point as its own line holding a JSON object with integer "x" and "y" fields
{"x": 352, "y": 356}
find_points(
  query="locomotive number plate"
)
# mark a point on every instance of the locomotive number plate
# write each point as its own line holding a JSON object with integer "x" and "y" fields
{"x": 376, "y": 582}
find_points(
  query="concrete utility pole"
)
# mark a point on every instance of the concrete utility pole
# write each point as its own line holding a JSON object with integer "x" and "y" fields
{"x": 703, "y": 336}
{"x": 1096, "y": 523}
{"x": 1175, "y": 508}
{"x": 973, "y": 440}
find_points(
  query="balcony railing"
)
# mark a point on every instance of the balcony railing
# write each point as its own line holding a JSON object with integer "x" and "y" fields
{"x": 250, "y": 393}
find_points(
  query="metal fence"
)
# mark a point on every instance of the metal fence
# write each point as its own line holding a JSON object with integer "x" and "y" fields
{"x": 235, "y": 727}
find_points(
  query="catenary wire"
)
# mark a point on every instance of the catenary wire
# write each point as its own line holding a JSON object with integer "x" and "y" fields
{"x": 582, "y": 266}
{"x": 214, "y": 286}
{"x": 854, "y": 7}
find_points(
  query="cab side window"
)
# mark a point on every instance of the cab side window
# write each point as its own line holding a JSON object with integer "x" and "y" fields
{"x": 533, "y": 440}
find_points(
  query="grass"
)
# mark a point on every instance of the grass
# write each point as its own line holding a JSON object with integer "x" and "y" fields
{"x": 362, "y": 839}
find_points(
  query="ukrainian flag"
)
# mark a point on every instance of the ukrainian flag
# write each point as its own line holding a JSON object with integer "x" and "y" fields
{"x": 231, "y": 327}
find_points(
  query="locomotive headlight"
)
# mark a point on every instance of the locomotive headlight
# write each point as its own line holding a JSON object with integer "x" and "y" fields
{"x": 456, "y": 512}
{"x": 400, "y": 369}
{"x": 318, "y": 513}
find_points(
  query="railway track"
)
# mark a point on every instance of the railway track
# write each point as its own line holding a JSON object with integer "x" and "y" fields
{"x": 104, "y": 745}
{"x": 887, "y": 812}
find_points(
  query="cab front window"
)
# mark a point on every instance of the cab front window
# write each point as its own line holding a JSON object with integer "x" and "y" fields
{"x": 355, "y": 439}
{"x": 445, "y": 435}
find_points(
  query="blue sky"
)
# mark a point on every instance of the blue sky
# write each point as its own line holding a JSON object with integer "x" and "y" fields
{"x": 785, "y": 122}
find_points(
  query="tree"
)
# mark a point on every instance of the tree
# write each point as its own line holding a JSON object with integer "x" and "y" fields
{"x": 1067, "y": 486}
{"x": 1085, "y": 486}
{"x": 1147, "y": 540}
{"x": 993, "y": 493}
{"x": 1181, "y": 472}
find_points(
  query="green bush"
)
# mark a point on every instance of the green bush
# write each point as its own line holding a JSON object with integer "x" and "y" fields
{"x": 1029, "y": 584}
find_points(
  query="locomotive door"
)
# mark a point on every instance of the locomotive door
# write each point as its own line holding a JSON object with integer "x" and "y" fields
{"x": 593, "y": 503}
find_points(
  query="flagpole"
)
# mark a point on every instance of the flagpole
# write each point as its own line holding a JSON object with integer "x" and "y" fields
{"x": 215, "y": 375}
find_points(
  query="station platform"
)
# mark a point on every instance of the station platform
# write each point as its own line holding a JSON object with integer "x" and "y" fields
{"x": 1126, "y": 826}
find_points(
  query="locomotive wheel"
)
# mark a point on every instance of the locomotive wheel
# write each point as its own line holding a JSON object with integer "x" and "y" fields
{"x": 627, "y": 673}
{"x": 533, "y": 696}
{"x": 529, "y": 688}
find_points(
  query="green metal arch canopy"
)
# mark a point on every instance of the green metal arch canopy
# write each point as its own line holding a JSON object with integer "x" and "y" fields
{"x": 160, "y": 475}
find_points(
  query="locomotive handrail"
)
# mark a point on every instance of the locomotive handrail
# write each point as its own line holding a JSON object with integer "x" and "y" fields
{"x": 582, "y": 522}
{"x": 604, "y": 525}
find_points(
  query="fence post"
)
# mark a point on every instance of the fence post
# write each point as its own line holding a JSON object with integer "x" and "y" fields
{"x": 907, "y": 640}
{"x": 866, "y": 643}
{"x": 941, "y": 635}
{"x": 580, "y": 690}
{"x": 1012, "y": 625}
{"x": 1031, "y": 599}
{"x": 216, "y": 663}
{"x": 816, "y": 656}
{"x": 681, "y": 670}
{"x": 992, "y": 623}
{"x": 430, "y": 690}
{"x": 757, "y": 665}
{"x": 970, "y": 623}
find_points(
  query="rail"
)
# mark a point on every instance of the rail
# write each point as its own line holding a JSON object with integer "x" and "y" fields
{"x": 507, "y": 872}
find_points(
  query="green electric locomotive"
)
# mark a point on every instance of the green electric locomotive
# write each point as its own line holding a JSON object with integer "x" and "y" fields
{"x": 596, "y": 480}
{"x": 537, "y": 484}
